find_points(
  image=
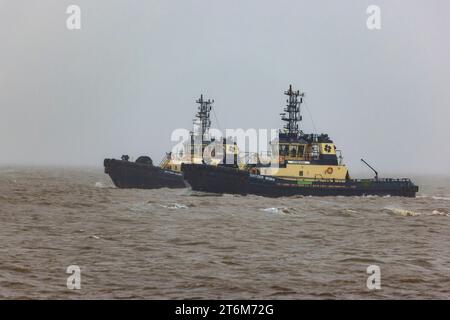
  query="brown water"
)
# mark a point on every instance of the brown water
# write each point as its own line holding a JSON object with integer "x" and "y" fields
{"x": 180, "y": 244}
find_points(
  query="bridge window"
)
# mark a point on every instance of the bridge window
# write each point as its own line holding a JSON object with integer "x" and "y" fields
{"x": 293, "y": 152}
{"x": 284, "y": 150}
{"x": 301, "y": 150}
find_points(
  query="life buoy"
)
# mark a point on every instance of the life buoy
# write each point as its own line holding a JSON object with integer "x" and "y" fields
{"x": 254, "y": 171}
{"x": 329, "y": 170}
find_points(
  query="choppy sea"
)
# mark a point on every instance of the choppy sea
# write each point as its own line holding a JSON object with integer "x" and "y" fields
{"x": 162, "y": 244}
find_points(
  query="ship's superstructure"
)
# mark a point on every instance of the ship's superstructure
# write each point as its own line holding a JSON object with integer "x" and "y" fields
{"x": 199, "y": 138}
{"x": 193, "y": 150}
{"x": 302, "y": 156}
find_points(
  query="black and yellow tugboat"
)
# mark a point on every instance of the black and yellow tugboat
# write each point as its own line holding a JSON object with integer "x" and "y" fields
{"x": 306, "y": 164}
{"x": 143, "y": 174}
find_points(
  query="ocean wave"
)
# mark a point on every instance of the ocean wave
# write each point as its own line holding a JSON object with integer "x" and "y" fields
{"x": 424, "y": 196}
{"x": 403, "y": 212}
{"x": 174, "y": 206}
{"x": 271, "y": 210}
{"x": 140, "y": 207}
{"x": 441, "y": 198}
{"x": 279, "y": 210}
{"x": 8, "y": 170}
{"x": 410, "y": 213}
{"x": 441, "y": 212}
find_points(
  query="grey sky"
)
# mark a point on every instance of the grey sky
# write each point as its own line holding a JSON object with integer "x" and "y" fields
{"x": 131, "y": 75}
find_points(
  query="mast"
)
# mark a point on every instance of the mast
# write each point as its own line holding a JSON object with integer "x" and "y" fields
{"x": 295, "y": 99}
{"x": 202, "y": 124}
{"x": 204, "y": 109}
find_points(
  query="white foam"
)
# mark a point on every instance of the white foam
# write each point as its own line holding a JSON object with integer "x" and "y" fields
{"x": 440, "y": 198}
{"x": 410, "y": 213}
{"x": 174, "y": 206}
{"x": 280, "y": 210}
{"x": 440, "y": 213}
{"x": 403, "y": 212}
{"x": 433, "y": 197}
{"x": 271, "y": 210}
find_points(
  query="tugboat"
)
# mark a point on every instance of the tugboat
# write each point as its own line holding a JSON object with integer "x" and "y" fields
{"x": 143, "y": 174}
{"x": 305, "y": 164}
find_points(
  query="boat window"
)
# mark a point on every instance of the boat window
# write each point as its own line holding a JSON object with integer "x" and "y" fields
{"x": 284, "y": 150}
{"x": 301, "y": 150}
{"x": 293, "y": 152}
{"x": 315, "y": 150}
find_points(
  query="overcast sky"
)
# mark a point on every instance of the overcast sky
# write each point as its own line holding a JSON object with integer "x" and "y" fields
{"x": 131, "y": 75}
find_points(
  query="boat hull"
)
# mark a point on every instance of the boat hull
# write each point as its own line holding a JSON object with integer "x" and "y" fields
{"x": 232, "y": 180}
{"x": 126, "y": 174}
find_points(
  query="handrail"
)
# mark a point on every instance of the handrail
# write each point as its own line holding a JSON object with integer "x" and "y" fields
{"x": 164, "y": 160}
{"x": 350, "y": 180}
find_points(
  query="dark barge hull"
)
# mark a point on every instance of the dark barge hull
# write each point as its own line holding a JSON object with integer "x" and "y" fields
{"x": 217, "y": 179}
{"x": 126, "y": 174}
